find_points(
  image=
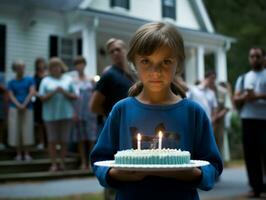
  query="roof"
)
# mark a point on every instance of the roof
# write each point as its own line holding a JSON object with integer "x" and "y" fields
{"x": 202, "y": 15}
{"x": 62, "y": 5}
{"x": 130, "y": 21}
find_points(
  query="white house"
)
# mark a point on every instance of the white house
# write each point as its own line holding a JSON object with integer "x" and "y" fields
{"x": 66, "y": 28}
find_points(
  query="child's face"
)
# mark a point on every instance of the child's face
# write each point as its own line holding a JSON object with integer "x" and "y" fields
{"x": 157, "y": 70}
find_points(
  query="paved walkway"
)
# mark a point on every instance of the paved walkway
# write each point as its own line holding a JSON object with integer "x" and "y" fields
{"x": 54, "y": 188}
{"x": 232, "y": 185}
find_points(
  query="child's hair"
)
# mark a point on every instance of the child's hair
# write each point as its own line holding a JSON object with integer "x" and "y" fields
{"x": 80, "y": 60}
{"x": 57, "y": 62}
{"x": 16, "y": 64}
{"x": 151, "y": 37}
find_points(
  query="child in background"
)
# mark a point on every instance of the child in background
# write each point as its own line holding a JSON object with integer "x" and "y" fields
{"x": 157, "y": 52}
{"x": 85, "y": 126}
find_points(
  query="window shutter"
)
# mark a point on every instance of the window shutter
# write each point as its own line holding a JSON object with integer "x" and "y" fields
{"x": 53, "y": 46}
{"x": 2, "y": 47}
{"x": 79, "y": 46}
{"x": 169, "y": 9}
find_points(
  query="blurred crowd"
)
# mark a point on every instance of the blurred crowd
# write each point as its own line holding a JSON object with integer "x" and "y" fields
{"x": 48, "y": 110}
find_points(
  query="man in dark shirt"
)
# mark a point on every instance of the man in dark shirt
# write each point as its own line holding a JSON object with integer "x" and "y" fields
{"x": 112, "y": 87}
{"x": 115, "y": 81}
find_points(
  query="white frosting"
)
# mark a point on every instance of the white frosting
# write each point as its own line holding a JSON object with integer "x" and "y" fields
{"x": 152, "y": 156}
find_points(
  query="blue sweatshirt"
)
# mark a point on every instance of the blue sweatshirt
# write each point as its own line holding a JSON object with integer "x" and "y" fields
{"x": 185, "y": 126}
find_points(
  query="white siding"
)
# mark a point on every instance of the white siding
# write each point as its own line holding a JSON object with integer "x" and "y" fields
{"x": 185, "y": 15}
{"x": 152, "y": 10}
{"x": 28, "y": 41}
{"x": 103, "y": 5}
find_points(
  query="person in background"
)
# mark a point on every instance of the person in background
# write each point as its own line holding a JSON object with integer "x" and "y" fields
{"x": 250, "y": 92}
{"x": 40, "y": 73}
{"x": 57, "y": 93}
{"x": 224, "y": 105}
{"x": 85, "y": 126}
{"x": 203, "y": 95}
{"x": 20, "y": 114}
{"x": 114, "y": 82}
{"x": 112, "y": 86}
{"x": 157, "y": 52}
{"x": 3, "y": 110}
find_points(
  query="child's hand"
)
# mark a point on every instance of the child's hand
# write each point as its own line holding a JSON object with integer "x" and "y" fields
{"x": 122, "y": 175}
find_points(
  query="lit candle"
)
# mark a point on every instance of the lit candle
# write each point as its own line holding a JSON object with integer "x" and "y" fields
{"x": 160, "y": 139}
{"x": 139, "y": 141}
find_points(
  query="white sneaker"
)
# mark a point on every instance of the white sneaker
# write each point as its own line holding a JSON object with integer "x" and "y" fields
{"x": 18, "y": 157}
{"x": 28, "y": 157}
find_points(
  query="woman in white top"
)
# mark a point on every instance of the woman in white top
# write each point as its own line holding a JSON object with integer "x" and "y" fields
{"x": 57, "y": 93}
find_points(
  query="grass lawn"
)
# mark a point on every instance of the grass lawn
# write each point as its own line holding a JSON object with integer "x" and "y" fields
{"x": 97, "y": 196}
{"x": 234, "y": 163}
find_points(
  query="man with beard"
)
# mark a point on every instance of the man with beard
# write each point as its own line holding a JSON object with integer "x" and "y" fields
{"x": 250, "y": 91}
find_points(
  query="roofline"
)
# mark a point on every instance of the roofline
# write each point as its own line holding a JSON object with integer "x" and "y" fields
{"x": 138, "y": 21}
{"x": 202, "y": 14}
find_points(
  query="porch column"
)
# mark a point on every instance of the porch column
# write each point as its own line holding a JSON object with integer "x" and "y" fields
{"x": 89, "y": 49}
{"x": 200, "y": 63}
{"x": 191, "y": 66}
{"x": 221, "y": 65}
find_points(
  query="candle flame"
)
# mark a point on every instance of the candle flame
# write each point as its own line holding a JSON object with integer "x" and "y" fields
{"x": 160, "y": 134}
{"x": 139, "y": 136}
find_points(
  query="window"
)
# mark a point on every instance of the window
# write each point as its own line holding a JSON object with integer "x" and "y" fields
{"x": 79, "y": 46}
{"x": 120, "y": 3}
{"x": 53, "y": 42}
{"x": 67, "y": 51}
{"x": 169, "y": 9}
{"x": 65, "y": 48}
{"x": 2, "y": 47}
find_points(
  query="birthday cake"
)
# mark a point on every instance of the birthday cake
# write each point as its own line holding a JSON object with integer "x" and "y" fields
{"x": 152, "y": 156}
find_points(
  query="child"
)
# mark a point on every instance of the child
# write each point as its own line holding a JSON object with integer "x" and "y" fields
{"x": 157, "y": 51}
{"x": 85, "y": 122}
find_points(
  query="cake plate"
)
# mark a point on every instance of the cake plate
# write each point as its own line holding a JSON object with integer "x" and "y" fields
{"x": 155, "y": 167}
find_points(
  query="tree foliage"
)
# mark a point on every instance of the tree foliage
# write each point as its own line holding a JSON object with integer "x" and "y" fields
{"x": 245, "y": 20}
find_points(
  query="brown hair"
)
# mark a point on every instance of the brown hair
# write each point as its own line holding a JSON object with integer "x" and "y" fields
{"x": 17, "y": 63}
{"x": 149, "y": 38}
{"x": 38, "y": 61}
{"x": 80, "y": 60}
{"x": 112, "y": 40}
{"x": 55, "y": 61}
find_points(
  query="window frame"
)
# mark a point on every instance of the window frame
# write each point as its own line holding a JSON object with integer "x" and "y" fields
{"x": 169, "y": 12}
{"x": 122, "y": 4}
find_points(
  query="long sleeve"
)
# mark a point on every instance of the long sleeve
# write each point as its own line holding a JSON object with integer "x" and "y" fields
{"x": 206, "y": 149}
{"x": 106, "y": 147}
